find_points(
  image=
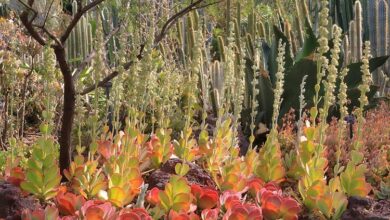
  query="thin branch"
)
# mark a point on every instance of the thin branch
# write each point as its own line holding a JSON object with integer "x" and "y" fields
{"x": 31, "y": 30}
{"x": 47, "y": 14}
{"x": 52, "y": 36}
{"x": 77, "y": 17}
{"x": 174, "y": 18}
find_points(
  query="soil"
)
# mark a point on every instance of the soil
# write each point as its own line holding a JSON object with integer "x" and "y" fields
{"x": 367, "y": 209}
{"x": 196, "y": 175}
{"x": 13, "y": 202}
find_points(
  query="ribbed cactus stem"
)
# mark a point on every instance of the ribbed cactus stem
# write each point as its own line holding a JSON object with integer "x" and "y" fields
{"x": 305, "y": 10}
{"x": 352, "y": 40}
{"x": 250, "y": 46}
{"x": 251, "y": 23}
{"x": 261, "y": 30}
{"x": 228, "y": 17}
{"x": 347, "y": 49}
{"x": 358, "y": 30}
{"x": 382, "y": 35}
{"x": 196, "y": 20}
{"x": 372, "y": 8}
{"x": 237, "y": 34}
{"x": 293, "y": 43}
{"x": 221, "y": 46}
{"x": 299, "y": 30}
{"x": 179, "y": 28}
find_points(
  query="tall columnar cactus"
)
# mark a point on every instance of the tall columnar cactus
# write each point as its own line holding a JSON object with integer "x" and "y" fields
{"x": 79, "y": 44}
{"x": 372, "y": 7}
{"x": 378, "y": 28}
{"x": 382, "y": 35}
{"x": 352, "y": 39}
{"x": 347, "y": 51}
{"x": 358, "y": 32}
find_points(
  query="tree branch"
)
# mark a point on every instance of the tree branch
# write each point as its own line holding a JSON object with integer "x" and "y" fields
{"x": 77, "y": 17}
{"x": 30, "y": 29}
{"x": 173, "y": 19}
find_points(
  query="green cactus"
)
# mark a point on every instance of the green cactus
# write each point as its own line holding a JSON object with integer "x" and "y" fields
{"x": 347, "y": 51}
{"x": 79, "y": 44}
{"x": 358, "y": 32}
{"x": 382, "y": 29}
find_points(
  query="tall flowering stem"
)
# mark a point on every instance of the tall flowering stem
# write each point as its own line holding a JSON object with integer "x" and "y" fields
{"x": 364, "y": 89}
{"x": 279, "y": 84}
{"x": 322, "y": 61}
{"x": 330, "y": 83}
{"x": 342, "y": 102}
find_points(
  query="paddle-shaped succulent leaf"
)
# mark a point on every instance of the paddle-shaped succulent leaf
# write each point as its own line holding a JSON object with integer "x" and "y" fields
{"x": 124, "y": 179}
{"x": 186, "y": 148}
{"x": 94, "y": 209}
{"x": 50, "y": 212}
{"x": 176, "y": 195}
{"x": 210, "y": 214}
{"x": 270, "y": 166}
{"x": 206, "y": 198}
{"x": 16, "y": 176}
{"x": 160, "y": 147}
{"x": 134, "y": 214}
{"x": 254, "y": 186}
{"x": 68, "y": 203}
{"x": 353, "y": 181}
{"x": 243, "y": 211}
{"x": 173, "y": 215}
{"x": 85, "y": 177}
{"x": 275, "y": 205}
{"x": 42, "y": 175}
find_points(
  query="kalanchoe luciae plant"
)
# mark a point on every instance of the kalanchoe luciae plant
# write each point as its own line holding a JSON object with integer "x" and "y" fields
{"x": 176, "y": 196}
{"x": 186, "y": 148}
{"x": 135, "y": 213}
{"x": 42, "y": 174}
{"x": 50, "y": 212}
{"x": 95, "y": 209}
{"x": 85, "y": 177}
{"x": 231, "y": 175}
{"x": 353, "y": 180}
{"x": 67, "y": 202}
{"x": 173, "y": 215}
{"x": 205, "y": 198}
{"x": 221, "y": 152}
{"x": 275, "y": 205}
{"x": 243, "y": 211}
{"x": 160, "y": 147}
{"x": 15, "y": 175}
{"x": 270, "y": 166}
{"x": 124, "y": 179}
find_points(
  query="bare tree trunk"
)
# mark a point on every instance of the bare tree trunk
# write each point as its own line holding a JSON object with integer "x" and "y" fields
{"x": 68, "y": 109}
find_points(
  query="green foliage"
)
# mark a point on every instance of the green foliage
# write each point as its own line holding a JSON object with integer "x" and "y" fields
{"x": 176, "y": 195}
{"x": 353, "y": 180}
{"x": 42, "y": 174}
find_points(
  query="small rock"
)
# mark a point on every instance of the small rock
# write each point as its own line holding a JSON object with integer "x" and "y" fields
{"x": 12, "y": 202}
{"x": 196, "y": 175}
{"x": 367, "y": 209}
